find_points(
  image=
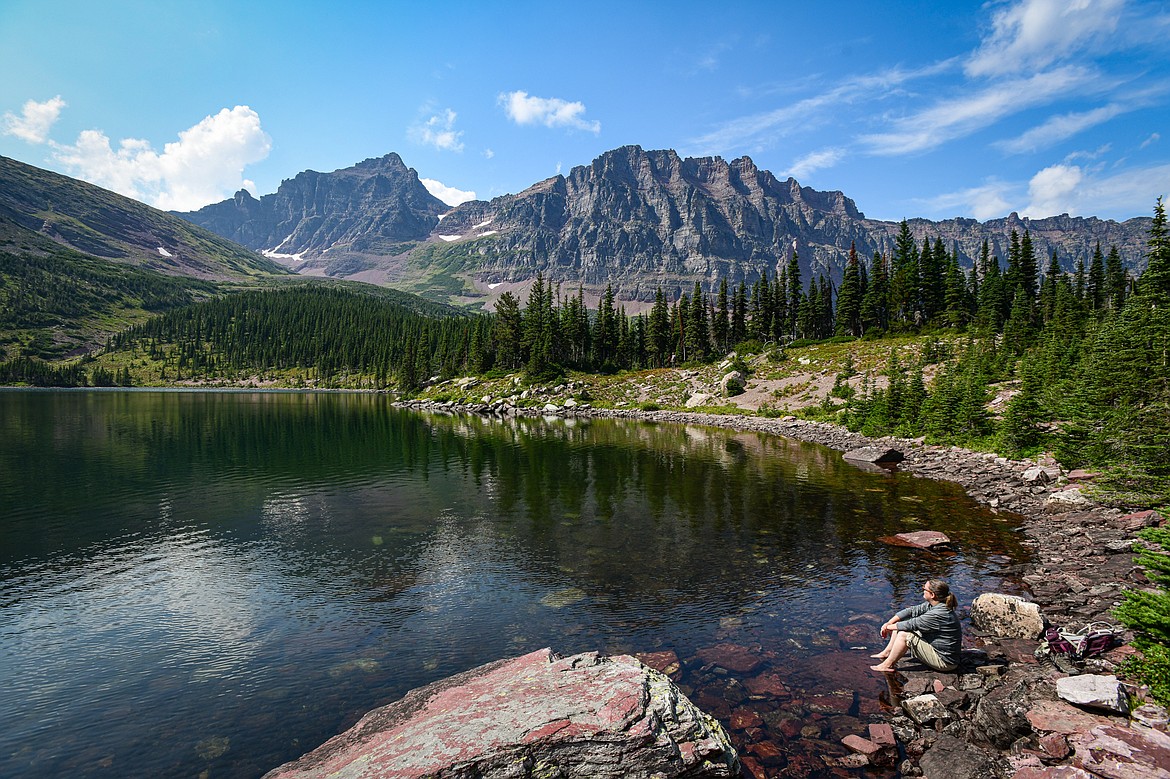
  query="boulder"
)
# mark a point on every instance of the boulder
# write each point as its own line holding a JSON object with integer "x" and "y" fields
{"x": 1007, "y": 616}
{"x": 1123, "y": 753}
{"x": 953, "y": 758}
{"x": 919, "y": 539}
{"x": 1066, "y": 500}
{"x": 1094, "y": 692}
{"x": 698, "y": 399}
{"x": 925, "y": 709}
{"x": 535, "y": 715}
{"x": 1036, "y": 476}
{"x": 875, "y": 454}
{"x": 732, "y": 383}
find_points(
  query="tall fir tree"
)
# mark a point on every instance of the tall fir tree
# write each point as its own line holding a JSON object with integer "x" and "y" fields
{"x": 849, "y": 297}
{"x": 1097, "y": 292}
{"x": 739, "y": 314}
{"x": 875, "y": 302}
{"x": 1155, "y": 281}
{"x": 721, "y": 326}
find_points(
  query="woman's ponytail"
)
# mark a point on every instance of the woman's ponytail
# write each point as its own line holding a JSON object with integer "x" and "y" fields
{"x": 942, "y": 593}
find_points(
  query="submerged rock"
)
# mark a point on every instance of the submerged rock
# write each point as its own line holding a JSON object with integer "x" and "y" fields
{"x": 919, "y": 539}
{"x": 532, "y": 716}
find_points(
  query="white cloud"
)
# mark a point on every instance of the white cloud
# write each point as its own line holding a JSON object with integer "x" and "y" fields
{"x": 522, "y": 108}
{"x": 756, "y": 132}
{"x": 449, "y": 195}
{"x": 35, "y": 120}
{"x": 806, "y": 165}
{"x": 988, "y": 201}
{"x": 1154, "y": 138}
{"x": 205, "y": 165}
{"x": 958, "y": 117}
{"x": 1054, "y": 190}
{"x": 1058, "y": 128}
{"x": 438, "y": 131}
{"x": 488, "y": 154}
{"x": 1034, "y": 34}
{"x": 1129, "y": 193}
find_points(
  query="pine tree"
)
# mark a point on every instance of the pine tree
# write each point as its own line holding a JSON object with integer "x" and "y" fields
{"x": 1155, "y": 281}
{"x": 1097, "y": 290}
{"x": 696, "y": 336}
{"x": 849, "y": 298}
{"x": 659, "y": 329}
{"x": 721, "y": 325}
{"x": 795, "y": 293}
{"x": 874, "y": 304}
{"x": 905, "y": 285}
{"x": 507, "y": 331}
{"x": 1116, "y": 280}
{"x": 739, "y": 314}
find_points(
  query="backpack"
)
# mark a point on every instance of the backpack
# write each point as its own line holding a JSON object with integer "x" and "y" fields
{"x": 1093, "y": 639}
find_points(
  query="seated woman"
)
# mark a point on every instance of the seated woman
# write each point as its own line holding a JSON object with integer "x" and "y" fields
{"x": 930, "y": 631}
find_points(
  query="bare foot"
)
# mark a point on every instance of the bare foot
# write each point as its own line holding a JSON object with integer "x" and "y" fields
{"x": 883, "y": 668}
{"x": 881, "y": 656}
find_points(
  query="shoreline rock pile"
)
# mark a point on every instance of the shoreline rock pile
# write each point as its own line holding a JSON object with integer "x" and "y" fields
{"x": 1007, "y": 712}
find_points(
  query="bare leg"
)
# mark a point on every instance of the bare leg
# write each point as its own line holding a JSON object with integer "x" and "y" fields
{"x": 894, "y": 652}
{"x": 882, "y": 655}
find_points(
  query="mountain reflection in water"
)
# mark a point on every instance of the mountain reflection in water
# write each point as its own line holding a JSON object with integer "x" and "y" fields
{"x": 221, "y": 581}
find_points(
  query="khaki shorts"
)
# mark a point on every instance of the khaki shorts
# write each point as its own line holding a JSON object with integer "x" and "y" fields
{"x": 921, "y": 649}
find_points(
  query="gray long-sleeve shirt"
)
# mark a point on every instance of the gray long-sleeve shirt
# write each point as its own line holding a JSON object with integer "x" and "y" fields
{"x": 938, "y": 626}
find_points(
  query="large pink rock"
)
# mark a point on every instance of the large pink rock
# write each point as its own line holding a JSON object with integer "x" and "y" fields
{"x": 1123, "y": 753}
{"x": 919, "y": 539}
{"x": 536, "y": 715}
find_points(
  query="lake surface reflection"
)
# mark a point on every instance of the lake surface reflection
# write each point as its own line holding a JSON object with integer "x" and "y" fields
{"x": 218, "y": 582}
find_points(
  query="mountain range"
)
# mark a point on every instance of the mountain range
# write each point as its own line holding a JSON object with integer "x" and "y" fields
{"x": 632, "y": 218}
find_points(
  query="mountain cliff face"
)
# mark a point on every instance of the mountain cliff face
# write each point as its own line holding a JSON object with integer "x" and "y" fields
{"x": 371, "y": 208}
{"x": 104, "y": 224}
{"x": 639, "y": 219}
{"x": 632, "y": 218}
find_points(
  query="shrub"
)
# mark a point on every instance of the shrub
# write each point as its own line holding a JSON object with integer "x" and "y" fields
{"x": 1147, "y": 613}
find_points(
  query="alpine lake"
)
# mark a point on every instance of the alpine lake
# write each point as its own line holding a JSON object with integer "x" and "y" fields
{"x": 213, "y": 583}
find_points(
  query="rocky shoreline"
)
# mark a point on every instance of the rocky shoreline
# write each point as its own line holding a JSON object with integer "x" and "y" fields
{"x": 1000, "y": 714}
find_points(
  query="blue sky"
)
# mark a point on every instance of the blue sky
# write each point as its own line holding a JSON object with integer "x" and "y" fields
{"x": 910, "y": 108}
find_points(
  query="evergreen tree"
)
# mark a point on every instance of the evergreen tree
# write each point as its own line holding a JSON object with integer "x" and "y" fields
{"x": 696, "y": 335}
{"x": 905, "y": 285}
{"x": 1116, "y": 279}
{"x": 1097, "y": 291}
{"x": 875, "y": 302}
{"x": 605, "y": 333}
{"x": 739, "y": 314}
{"x": 849, "y": 298}
{"x": 721, "y": 325}
{"x": 955, "y": 294}
{"x": 507, "y": 331}
{"x": 1155, "y": 281}
{"x": 795, "y": 293}
{"x": 659, "y": 329}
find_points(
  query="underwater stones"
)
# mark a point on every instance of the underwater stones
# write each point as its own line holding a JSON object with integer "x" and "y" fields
{"x": 666, "y": 662}
{"x": 732, "y": 657}
{"x": 535, "y": 715}
{"x": 918, "y": 539}
{"x": 562, "y": 598}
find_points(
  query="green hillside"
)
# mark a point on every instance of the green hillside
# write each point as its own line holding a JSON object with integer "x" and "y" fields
{"x": 98, "y": 222}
